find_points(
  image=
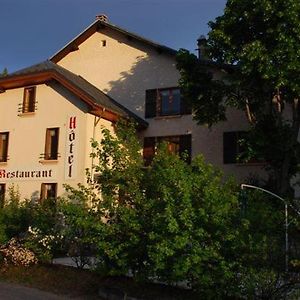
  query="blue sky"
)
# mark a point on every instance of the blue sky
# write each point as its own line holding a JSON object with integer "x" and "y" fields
{"x": 33, "y": 30}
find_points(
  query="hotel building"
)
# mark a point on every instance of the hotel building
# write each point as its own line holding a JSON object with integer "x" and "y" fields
{"x": 49, "y": 112}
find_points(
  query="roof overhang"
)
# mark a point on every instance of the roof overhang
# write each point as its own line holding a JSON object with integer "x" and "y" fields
{"x": 18, "y": 81}
{"x": 99, "y": 25}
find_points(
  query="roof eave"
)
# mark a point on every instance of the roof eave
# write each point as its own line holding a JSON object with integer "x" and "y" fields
{"x": 79, "y": 39}
{"x": 18, "y": 81}
{"x": 22, "y": 80}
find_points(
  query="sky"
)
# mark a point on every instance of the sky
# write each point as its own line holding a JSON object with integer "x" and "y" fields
{"x": 31, "y": 31}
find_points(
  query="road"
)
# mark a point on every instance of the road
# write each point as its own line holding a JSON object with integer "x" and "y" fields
{"x": 10, "y": 291}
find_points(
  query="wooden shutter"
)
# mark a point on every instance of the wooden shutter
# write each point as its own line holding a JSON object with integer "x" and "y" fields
{"x": 2, "y": 194}
{"x": 185, "y": 106}
{"x": 32, "y": 96}
{"x": 151, "y": 101}
{"x": 47, "y": 146}
{"x": 43, "y": 191}
{"x": 185, "y": 148}
{"x": 149, "y": 150}
{"x": 54, "y": 143}
{"x": 229, "y": 147}
{"x": 1, "y": 147}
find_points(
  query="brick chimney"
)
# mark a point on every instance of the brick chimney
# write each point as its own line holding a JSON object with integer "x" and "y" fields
{"x": 202, "y": 50}
{"x": 102, "y": 18}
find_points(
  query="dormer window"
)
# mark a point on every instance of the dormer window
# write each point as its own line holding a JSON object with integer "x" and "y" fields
{"x": 29, "y": 100}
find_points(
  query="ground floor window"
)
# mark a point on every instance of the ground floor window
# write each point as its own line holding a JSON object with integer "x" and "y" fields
{"x": 2, "y": 194}
{"x": 48, "y": 191}
{"x": 180, "y": 144}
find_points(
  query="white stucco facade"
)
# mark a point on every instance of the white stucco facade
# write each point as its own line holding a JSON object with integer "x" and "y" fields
{"x": 25, "y": 167}
{"x": 123, "y": 67}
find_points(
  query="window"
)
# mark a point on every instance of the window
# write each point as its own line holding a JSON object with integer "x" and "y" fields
{"x": 173, "y": 143}
{"x": 51, "y": 145}
{"x": 4, "y": 137}
{"x": 233, "y": 146}
{"x": 29, "y": 100}
{"x": 165, "y": 102}
{"x": 169, "y": 102}
{"x": 48, "y": 191}
{"x": 181, "y": 145}
{"x": 2, "y": 194}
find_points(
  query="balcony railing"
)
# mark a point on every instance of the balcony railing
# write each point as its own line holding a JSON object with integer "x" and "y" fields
{"x": 49, "y": 156}
{"x": 28, "y": 108}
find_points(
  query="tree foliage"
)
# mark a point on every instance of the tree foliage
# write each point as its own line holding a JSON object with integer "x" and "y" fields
{"x": 178, "y": 222}
{"x": 256, "y": 44}
{"x": 4, "y": 72}
{"x": 172, "y": 222}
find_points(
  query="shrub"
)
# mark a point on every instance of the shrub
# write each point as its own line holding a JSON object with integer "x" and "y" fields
{"x": 14, "y": 253}
{"x": 81, "y": 228}
{"x": 172, "y": 221}
{"x": 15, "y": 216}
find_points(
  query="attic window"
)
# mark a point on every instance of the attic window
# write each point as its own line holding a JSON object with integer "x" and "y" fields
{"x": 103, "y": 42}
{"x": 29, "y": 100}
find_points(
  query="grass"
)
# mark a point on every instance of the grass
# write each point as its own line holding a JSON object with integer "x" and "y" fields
{"x": 72, "y": 282}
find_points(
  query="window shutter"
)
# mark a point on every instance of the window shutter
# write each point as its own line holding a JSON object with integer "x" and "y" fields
{"x": 185, "y": 106}
{"x": 2, "y": 194}
{"x": 43, "y": 191}
{"x": 185, "y": 147}
{"x": 229, "y": 147}
{"x": 150, "y": 107}
{"x": 149, "y": 150}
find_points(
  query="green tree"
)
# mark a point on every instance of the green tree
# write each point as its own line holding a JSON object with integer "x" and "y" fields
{"x": 257, "y": 43}
{"x": 171, "y": 221}
{"x": 4, "y": 72}
{"x": 178, "y": 222}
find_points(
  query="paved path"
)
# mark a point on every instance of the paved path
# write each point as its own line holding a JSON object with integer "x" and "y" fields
{"x": 10, "y": 291}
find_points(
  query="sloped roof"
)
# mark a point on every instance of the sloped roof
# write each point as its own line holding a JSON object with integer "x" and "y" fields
{"x": 94, "y": 97}
{"x": 98, "y": 25}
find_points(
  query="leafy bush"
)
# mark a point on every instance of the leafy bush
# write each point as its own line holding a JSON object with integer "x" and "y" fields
{"x": 81, "y": 228}
{"x": 14, "y": 253}
{"x": 172, "y": 221}
{"x": 15, "y": 216}
{"x": 182, "y": 223}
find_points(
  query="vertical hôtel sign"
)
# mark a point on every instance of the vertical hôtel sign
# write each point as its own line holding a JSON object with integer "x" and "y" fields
{"x": 71, "y": 145}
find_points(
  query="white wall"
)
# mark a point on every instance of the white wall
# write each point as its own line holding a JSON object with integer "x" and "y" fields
{"x": 125, "y": 69}
{"x": 27, "y": 133}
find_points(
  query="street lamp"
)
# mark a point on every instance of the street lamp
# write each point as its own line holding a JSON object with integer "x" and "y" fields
{"x": 286, "y": 219}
